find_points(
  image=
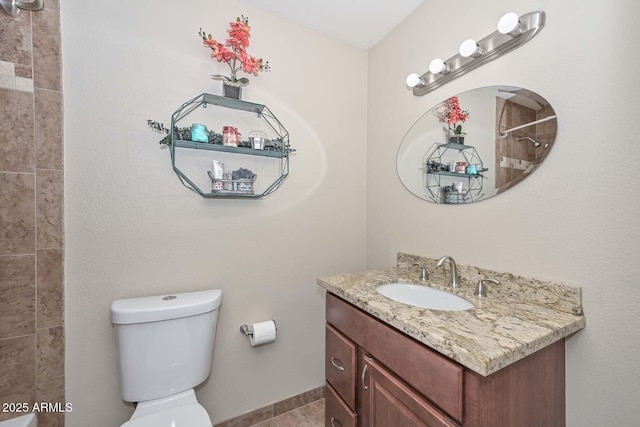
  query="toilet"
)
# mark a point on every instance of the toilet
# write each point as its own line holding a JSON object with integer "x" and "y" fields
{"x": 166, "y": 347}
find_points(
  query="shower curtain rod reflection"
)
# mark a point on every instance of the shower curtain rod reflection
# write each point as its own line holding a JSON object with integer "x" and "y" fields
{"x": 13, "y": 7}
{"x": 506, "y": 132}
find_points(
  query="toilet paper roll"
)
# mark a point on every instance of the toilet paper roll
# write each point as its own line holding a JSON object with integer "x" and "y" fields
{"x": 262, "y": 332}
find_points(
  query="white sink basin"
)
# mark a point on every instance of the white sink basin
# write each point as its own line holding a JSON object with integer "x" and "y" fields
{"x": 423, "y": 296}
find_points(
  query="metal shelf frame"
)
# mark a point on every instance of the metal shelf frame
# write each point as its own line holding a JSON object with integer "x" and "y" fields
{"x": 262, "y": 112}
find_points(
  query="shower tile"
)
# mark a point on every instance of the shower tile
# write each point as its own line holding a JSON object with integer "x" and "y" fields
{"x": 298, "y": 401}
{"x": 50, "y": 374}
{"x": 17, "y": 296}
{"x": 7, "y": 75}
{"x": 17, "y": 382}
{"x": 49, "y": 216}
{"x": 16, "y": 138}
{"x": 24, "y": 71}
{"x": 7, "y": 81}
{"x": 50, "y": 419}
{"x": 24, "y": 85}
{"x": 48, "y": 105}
{"x": 50, "y": 287}
{"x": 7, "y": 68}
{"x": 548, "y": 127}
{"x": 15, "y": 38}
{"x": 52, "y": 5}
{"x": 46, "y": 50}
{"x": 50, "y": 364}
{"x": 17, "y": 212}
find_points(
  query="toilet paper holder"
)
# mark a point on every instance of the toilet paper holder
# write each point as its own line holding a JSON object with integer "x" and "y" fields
{"x": 245, "y": 330}
{"x": 247, "y": 333}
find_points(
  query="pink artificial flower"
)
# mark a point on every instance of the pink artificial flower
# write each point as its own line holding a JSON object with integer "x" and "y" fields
{"x": 239, "y": 33}
{"x": 234, "y": 51}
{"x": 453, "y": 114}
{"x": 251, "y": 65}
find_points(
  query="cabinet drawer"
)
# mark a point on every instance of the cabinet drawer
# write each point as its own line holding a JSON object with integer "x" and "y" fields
{"x": 337, "y": 413}
{"x": 436, "y": 377}
{"x": 340, "y": 365}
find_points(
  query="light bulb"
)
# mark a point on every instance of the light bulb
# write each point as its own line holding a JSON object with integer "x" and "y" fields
{"x": 510, "y": 24}
{"x": 469, "y": 48}
{"x": 414, "y": 80}
{"x": 439, "y": 66}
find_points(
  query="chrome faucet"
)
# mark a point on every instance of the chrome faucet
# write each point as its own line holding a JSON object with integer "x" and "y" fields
{"x": 481, "y": 289}
{"x": 424, "y": 275}
{"x": 454, "y": 282}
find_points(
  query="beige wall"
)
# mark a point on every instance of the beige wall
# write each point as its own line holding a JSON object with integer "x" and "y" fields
{"x": 133, "y": 229}
{"x": 31, "y": 214}
{"x": 575, "y": 220}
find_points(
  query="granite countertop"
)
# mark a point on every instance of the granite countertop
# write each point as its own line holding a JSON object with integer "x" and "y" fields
{"x": 517, "y": 318}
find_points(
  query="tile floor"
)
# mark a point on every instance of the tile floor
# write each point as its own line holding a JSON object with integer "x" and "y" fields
{"x": 311, "y": 415}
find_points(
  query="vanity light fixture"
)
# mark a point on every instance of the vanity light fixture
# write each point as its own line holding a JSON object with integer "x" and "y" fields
{"x": 470, "y": 48}
{"x": 513, "y": 31}
{"x": 414, "y": 80}
{"x": 510, "y": 24}
{"x": 439, "y": 66}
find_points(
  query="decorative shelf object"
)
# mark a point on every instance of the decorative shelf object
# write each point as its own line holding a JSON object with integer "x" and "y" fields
{"x": 227, "y": 149}
{"x": 255, "y": 114}
{"x": 436, "y": 181}
{"x": 513, "y": 31}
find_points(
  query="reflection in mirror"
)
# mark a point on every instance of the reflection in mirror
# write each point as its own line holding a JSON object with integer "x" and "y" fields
{"x": 476, "y": 145}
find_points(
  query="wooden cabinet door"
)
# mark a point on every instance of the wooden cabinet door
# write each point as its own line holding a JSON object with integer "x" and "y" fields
{"x": 389, "y": 402}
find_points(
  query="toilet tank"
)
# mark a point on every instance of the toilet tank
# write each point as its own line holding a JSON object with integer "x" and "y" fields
{"x": 165, "y": 342}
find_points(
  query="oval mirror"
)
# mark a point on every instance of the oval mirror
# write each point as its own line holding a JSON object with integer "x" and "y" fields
{"x": 476, "y": 145}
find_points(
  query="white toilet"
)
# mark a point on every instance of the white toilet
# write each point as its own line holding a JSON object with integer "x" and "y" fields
{"x": 166, "y": 346}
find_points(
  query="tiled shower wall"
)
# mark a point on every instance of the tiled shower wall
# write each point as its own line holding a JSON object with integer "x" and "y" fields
{"x": 31, "y": 215}
{"x": 512, "y": 156}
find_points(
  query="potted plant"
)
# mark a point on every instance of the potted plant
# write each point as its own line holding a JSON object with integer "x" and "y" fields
{"x": 233, "y": 52}
{"x": 454, "y": 116}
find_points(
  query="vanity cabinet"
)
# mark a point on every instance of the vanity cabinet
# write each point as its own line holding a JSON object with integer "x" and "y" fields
{"x": 378, "y": 376}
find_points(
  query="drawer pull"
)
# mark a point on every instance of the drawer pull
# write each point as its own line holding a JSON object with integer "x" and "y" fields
{"x": 364, "y": 372}
{"x": 335, "y": 423}
{"x": 337, "y": 364}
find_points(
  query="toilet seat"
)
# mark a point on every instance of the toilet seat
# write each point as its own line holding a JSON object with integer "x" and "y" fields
{"x": 191, "y": 415}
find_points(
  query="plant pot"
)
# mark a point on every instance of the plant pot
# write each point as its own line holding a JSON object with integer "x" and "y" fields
{"x": 456, "y": 139}
{"x": 231, "y": 90}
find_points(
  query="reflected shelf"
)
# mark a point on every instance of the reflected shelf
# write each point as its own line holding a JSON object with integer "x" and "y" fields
{"x": 457, "y": 174}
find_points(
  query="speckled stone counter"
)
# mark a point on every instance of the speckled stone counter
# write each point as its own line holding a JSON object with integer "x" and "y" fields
{"x": 517, "y": 318}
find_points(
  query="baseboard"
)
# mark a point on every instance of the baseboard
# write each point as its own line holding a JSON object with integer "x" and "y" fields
{"x": 271, "y": 411}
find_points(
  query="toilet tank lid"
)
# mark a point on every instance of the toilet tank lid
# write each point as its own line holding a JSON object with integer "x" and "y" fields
{"x": 164, "y": 307}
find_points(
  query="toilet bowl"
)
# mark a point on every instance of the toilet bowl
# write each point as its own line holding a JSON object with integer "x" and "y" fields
{"x": 178, "y": 410}
{"x": 166, "y": 346}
